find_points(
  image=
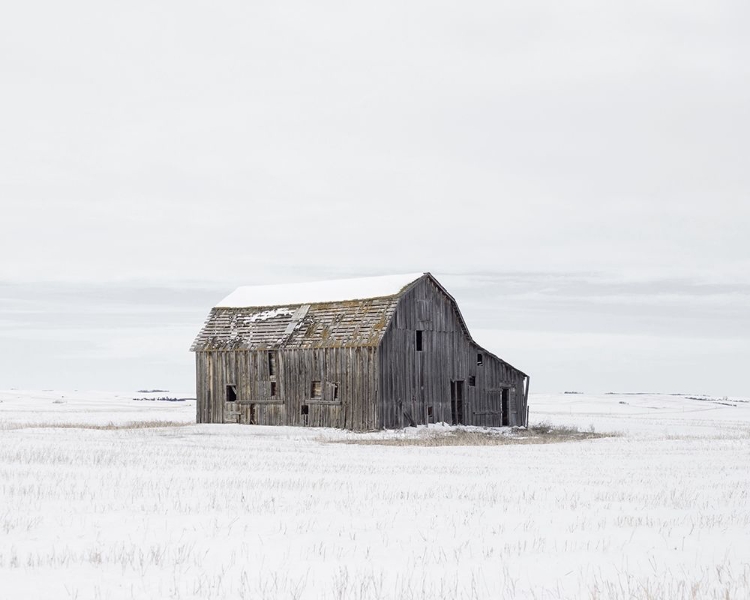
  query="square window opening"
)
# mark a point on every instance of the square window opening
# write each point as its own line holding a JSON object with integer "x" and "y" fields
{"x": 231, "y": 395}
{"x": 316, "y": 390}
{"x": 304, "y": 410}
{"x": 273, "y": 388}
{"x": 472, "y": 380}
{"x": 480, "y": 359}
{"x": 419, "y": 340}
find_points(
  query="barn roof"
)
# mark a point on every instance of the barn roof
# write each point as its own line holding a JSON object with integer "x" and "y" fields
{"x": 339, "y": 313}
{"x": 318, "y": 291}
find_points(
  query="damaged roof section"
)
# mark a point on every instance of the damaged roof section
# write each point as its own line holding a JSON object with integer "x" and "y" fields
{"x": 328, "y": 314}
{"x": 323, "y": 325}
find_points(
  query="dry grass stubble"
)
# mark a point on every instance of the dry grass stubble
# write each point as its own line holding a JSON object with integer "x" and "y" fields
{"x": 542, "y": 433}
{"x": 102, "y": 427}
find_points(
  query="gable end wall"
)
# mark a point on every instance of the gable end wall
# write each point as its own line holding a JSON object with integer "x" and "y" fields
{"x": 411, "y": 381}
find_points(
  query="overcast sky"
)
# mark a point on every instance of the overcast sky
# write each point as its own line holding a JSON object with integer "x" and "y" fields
{"x": 576, "y": 173}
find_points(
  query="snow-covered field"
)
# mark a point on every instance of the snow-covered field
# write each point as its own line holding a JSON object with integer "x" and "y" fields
{"x": 229, "y": 511}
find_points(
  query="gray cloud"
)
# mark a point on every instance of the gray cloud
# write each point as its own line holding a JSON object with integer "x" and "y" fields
{"x": 568, "y": 331}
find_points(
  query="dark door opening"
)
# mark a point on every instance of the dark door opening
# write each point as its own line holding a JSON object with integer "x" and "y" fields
{"x": 457, "y": 402}
{"x": 231, "y": 408}
{"x": 251, "y": 418}
{"x": 505, "y": 407}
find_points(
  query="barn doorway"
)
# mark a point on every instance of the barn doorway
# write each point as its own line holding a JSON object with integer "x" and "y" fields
{"x": 505, "y": 407}
{"x": 231, "y": 406}
{"x": 457, "y": 402}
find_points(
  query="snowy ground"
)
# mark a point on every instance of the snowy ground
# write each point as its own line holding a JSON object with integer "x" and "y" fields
{"x": 230, "y": 511}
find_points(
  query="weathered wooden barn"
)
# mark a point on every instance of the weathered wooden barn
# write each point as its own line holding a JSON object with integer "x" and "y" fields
{"x": 361, "y": 354}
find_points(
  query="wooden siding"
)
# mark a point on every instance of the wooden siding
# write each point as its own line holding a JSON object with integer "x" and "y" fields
{"x": 411, "y": 381}
{"x": 348, "y": 382}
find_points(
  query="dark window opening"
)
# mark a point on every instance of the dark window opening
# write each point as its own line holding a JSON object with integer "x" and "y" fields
{"x": 316, "y": 389}
{"x": 480, "y": 359}
{"x": 273, "y": 388}
{"x": 419, "y": 340}
{"x": 231, "y": 393}
{"x": 430, "y": 415}
{"x": 304, "y": 409}
{"x": 472, "y": 380}
{"x": 271, "y": 364}
{"x": 335, "y": 391}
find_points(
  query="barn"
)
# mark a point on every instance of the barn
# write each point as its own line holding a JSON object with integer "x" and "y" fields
{"x": 360, "y": 354}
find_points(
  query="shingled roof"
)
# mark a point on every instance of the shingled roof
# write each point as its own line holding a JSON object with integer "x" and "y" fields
{"x": 339, "y": 313}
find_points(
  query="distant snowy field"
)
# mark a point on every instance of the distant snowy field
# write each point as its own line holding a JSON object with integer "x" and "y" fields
{"x": 89, "y": 510}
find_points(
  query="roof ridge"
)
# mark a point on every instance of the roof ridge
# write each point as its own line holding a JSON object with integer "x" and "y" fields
{"x": 319, "y": 292}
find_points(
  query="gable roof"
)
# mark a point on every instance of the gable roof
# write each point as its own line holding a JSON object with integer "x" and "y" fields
{"x": 339, "y": 313}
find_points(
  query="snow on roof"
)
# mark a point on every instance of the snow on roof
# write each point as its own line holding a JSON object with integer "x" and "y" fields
{"x": 318, "y": 291}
